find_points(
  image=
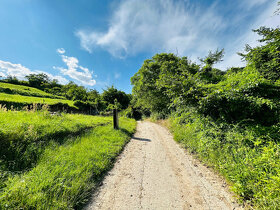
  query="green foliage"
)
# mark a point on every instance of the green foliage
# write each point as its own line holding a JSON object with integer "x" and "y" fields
{"x": 74, "y": 92}
{"x": 244, "y": 95}
{"x": 132, "y": 112}
{"x": 266, "y": 58}
{"x": 66, "y": 174}
{"x": 229, "y": 119}
{"x": 161, "y": 80}
{"x": 111, "y": 94}
{"x": 87, "y": 107}
{"x": 248, "y": 156}
{"x": 212, "y": 58}
{"x": 38, "y": 80}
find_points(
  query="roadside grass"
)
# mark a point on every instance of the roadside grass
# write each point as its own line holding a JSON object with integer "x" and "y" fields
{"x": 25, "y": 90}
{"x": 24, "y": 135}
{"x": 21, "y": 101}
{"x": 248, "y": 156}
{"x": 66, "y": 174}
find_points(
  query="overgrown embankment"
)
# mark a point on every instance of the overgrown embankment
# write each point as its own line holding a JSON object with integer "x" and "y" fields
{"x": 248, "y": 156}
{"x": 64, "y": 160}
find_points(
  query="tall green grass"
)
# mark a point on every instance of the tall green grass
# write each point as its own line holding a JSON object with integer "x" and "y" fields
{"x": 66, "y": 174}
{"x": 20, "y": 100}
{"x": 23, "y": 135}
{"x": 25, "y": 90}
{"x": 247, "y": 155}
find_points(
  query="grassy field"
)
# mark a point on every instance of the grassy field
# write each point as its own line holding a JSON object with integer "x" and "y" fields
{"x": 23, "y": 135}
{"x": 25, "y": 90}
{"x": 67, "y": 166}
{"x": 20, "y": 100}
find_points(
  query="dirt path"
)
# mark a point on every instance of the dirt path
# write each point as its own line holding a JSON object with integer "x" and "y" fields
{"x": 154, "y": 172}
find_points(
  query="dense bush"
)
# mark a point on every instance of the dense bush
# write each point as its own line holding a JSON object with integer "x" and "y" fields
{"x": 247, "y": 155}
{"x": 86, "y": 107}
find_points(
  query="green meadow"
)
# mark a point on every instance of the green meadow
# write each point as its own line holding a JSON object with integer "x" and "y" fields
{"x": 25, "y": 91}
{"x": 54, "y": 161}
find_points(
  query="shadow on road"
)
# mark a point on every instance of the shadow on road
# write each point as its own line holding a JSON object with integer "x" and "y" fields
{"x": 141, "y": 139}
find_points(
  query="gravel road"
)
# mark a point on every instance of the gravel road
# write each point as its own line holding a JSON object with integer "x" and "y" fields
{"x": 154, "y": 172}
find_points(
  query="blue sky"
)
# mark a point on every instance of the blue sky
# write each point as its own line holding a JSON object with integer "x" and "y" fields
{"x": 101, "y": 43}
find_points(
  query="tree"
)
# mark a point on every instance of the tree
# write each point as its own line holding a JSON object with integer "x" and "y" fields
{"x": 38, "y": 80}
{"x": 111, "y": 93}
{"x": 212, "y": 58}
{"x": 92, "y": 95}
{"x": 208, "y": 73}
{"x": 265, "y": 58}
{"x": 12, "y": 79}
{"x": 74, "y": 92}
{"x": 148, "y": 94}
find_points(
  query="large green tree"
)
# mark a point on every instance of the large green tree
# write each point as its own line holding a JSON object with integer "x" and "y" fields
{"x": 163, "y": 81}
{"x": 111, "y": 94}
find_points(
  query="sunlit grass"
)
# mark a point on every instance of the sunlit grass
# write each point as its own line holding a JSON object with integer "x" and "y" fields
{"x": 248, "y": 156}
{"x": 31, "y": 100}
{"x": 23, "y": 135}
{"x": 66, "y": 173}
{"x": 24, "y": 90}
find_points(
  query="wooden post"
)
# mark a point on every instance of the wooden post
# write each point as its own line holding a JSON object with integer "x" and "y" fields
{"x": 115, "y": 119}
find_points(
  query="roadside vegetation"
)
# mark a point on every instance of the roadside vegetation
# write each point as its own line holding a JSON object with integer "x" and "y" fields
{"x": 229, "y": 119}
{"x": 54, "y": 161}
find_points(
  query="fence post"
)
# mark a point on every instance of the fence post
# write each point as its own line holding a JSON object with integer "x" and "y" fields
{"x": 115, "y": 119}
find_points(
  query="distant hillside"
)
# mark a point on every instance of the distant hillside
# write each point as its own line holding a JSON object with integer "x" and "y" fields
{"x": 20, "y": 96}
{"x": 25, "y": 91}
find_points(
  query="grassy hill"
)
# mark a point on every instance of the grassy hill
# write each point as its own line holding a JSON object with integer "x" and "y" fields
{"x": 25, "y": 91}
{"x": 19, "y": 101}
{"x": 20, "y": 96}
{"x": 54, "y": 160}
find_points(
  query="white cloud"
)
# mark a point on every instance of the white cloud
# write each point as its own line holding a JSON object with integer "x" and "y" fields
{"x": 160, "y": 25}
{"x": 60, "y": 50}
{"x": 138, "y": 26}
{"x": 20, "y": 71}
{"x": 8, "y": 68}
{"x": 75, "y": 71}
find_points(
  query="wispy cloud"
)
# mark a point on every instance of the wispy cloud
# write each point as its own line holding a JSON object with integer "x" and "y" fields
{"x": 266, "y": 18}
{"x": 182, "y": 27}
{"x": 252, "y": 3}
{"x": 144, "y": 25}
{"x": 74, "y": 70}
{"x": 20, "y": 71}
